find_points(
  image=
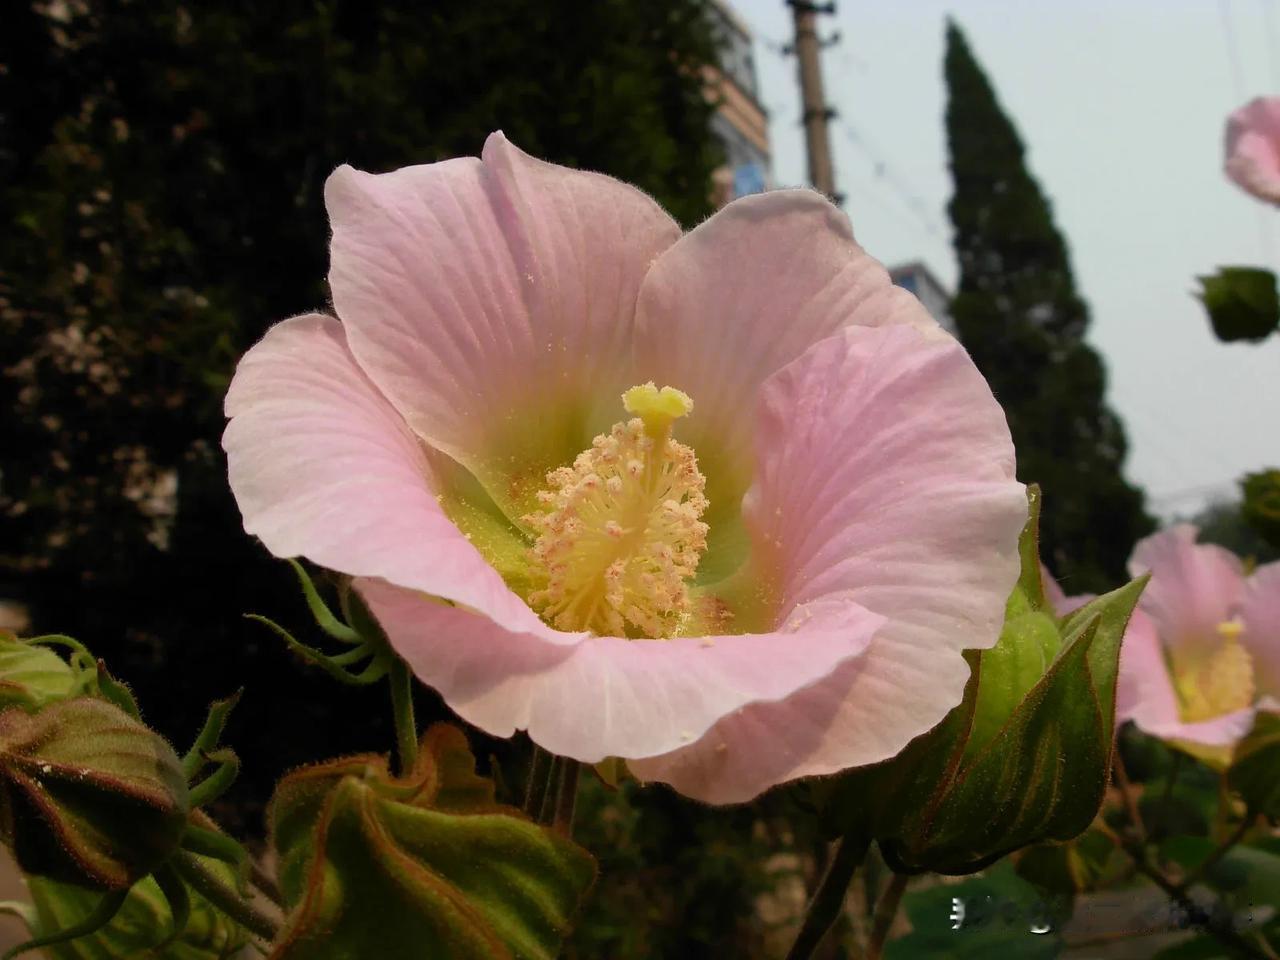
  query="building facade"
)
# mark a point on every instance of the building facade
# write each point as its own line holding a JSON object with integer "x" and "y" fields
{"x": 740, "y": 122}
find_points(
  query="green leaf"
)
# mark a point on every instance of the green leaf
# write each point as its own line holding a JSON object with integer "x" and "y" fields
{"x": 144, "y": 921}
{"x": 1245, "y": 875}
{"x": 998, "y": 910}
{"x": 1242, "y": 302}
{"x": 88, "y": 794}
{"x": 1255, "y": 767}
{"x": 32, "y": 676}
{"x": 1261, "y": 506}
{"x": 425, "y": 865}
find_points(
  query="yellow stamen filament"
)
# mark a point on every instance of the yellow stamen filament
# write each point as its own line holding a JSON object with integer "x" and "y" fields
{"x": 1218, "y": 683}
{"x": 621, "y": 533}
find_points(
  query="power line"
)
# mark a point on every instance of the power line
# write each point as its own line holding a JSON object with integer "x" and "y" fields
{"x": 885, "y": 172}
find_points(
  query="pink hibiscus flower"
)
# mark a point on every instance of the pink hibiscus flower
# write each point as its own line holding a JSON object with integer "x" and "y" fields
{"x": 1253, "y": 148}
{"x": 1203, "y": 651}
{"x": 767, "y": 570}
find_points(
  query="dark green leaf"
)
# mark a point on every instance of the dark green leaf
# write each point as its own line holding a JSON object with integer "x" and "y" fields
{"x": 1242, "y": 302}
{"x": 999, "y": 911}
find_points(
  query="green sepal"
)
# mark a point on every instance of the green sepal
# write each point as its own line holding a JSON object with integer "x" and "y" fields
{"x": 1261, "y": 505}
{"x": 1023, "y": 759}
{"x": 145, "y": 925}
{"x": 423, "y": 865}
{"x": 1255, "y": 767}
{"x": 1042, "y": 777}
{"x": 88, "y": 795}
{"x": 1242, "y": 302}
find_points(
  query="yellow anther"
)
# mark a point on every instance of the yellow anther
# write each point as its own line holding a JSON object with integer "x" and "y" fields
{"x": 621, "y": 532}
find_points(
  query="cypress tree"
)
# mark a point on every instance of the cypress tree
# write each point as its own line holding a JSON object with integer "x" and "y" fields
{"x": 1018, "y": 313}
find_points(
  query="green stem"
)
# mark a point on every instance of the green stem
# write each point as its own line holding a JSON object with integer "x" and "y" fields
{"x": 546, "y": 809}
{"x": 402, "y": 712}
{"x": 1130, "y": 801}
{"x": 224, "y": 897}
{"x": 566, "y": 797}
{"x": 828, "y": 900}
{"x": 1166, "y": 798}
{"x": 536, "y": 781}
{"x": 886, "y": 911}
{"x": 1218, "y": 853}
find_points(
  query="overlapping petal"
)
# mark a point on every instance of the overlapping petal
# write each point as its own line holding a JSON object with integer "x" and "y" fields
{"x": 1194, "y": 587}
{"x": 735, "y": 300}
{"x": 885, "y": 472}
{"x": 1253, "y": 148}
{"x": 322, "y": 466}
{"x": 608, "y": 696}
{"x": 1260, "y": 613}
{"x": 492, "y": 300}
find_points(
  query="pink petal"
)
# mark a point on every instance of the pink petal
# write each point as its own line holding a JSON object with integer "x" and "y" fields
{"x": 1253, "y": 148}
{"x": 322, "y": 466}
{"x": 741, "y": 296}
{"x": 1194, "y": 587}
{"x": 492, "y": 300}
{"x": 885, "y": 473}
{"x": 606, "y": 696}
{"x": 1260, "y": 611}
{"x": 1145, "y": 694}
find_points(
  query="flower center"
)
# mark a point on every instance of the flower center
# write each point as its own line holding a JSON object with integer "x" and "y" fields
{"x": 620, "y": 534}
{"x": 1218, "y": 683}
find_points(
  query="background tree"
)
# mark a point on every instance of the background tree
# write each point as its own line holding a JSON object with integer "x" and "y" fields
{"x": 1018, "y": 313}
{"x": 161, "y": 173}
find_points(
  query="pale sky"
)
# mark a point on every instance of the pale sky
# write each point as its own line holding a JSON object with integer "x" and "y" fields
{"x": 1121, "y": 104}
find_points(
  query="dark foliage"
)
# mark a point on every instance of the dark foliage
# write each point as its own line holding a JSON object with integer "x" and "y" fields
{"x": 1018, "y": 313}
{"x": 161, "y": 167}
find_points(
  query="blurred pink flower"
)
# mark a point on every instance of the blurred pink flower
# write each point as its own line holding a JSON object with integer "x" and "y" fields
{"x": 1203, "y": 652}
{"x": 784, "y": 591}
{"x": 1253, "y": 148}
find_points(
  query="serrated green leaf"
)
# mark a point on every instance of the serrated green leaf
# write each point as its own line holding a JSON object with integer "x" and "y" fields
{"x": 1242, "y": 302}
{"x": 1255, "y": 767}
{"x": 425, "y": 865}
{"x": 143, "y": 922}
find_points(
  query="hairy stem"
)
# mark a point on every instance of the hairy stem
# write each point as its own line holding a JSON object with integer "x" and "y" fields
{"x": 402, "y": 712}
{"x": 225, "y": 897}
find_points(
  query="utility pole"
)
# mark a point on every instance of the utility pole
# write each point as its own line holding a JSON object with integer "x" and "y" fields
{"x": 807, "y": 48}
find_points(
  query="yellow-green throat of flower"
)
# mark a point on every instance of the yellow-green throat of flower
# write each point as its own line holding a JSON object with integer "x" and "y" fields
{"x": 620, "y": 533}
{"x": 1220, "y": 682}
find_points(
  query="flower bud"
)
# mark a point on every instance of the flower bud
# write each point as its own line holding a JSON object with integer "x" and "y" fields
{"x": 1026, "y": 755}
{"x": 88, "y": 795}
